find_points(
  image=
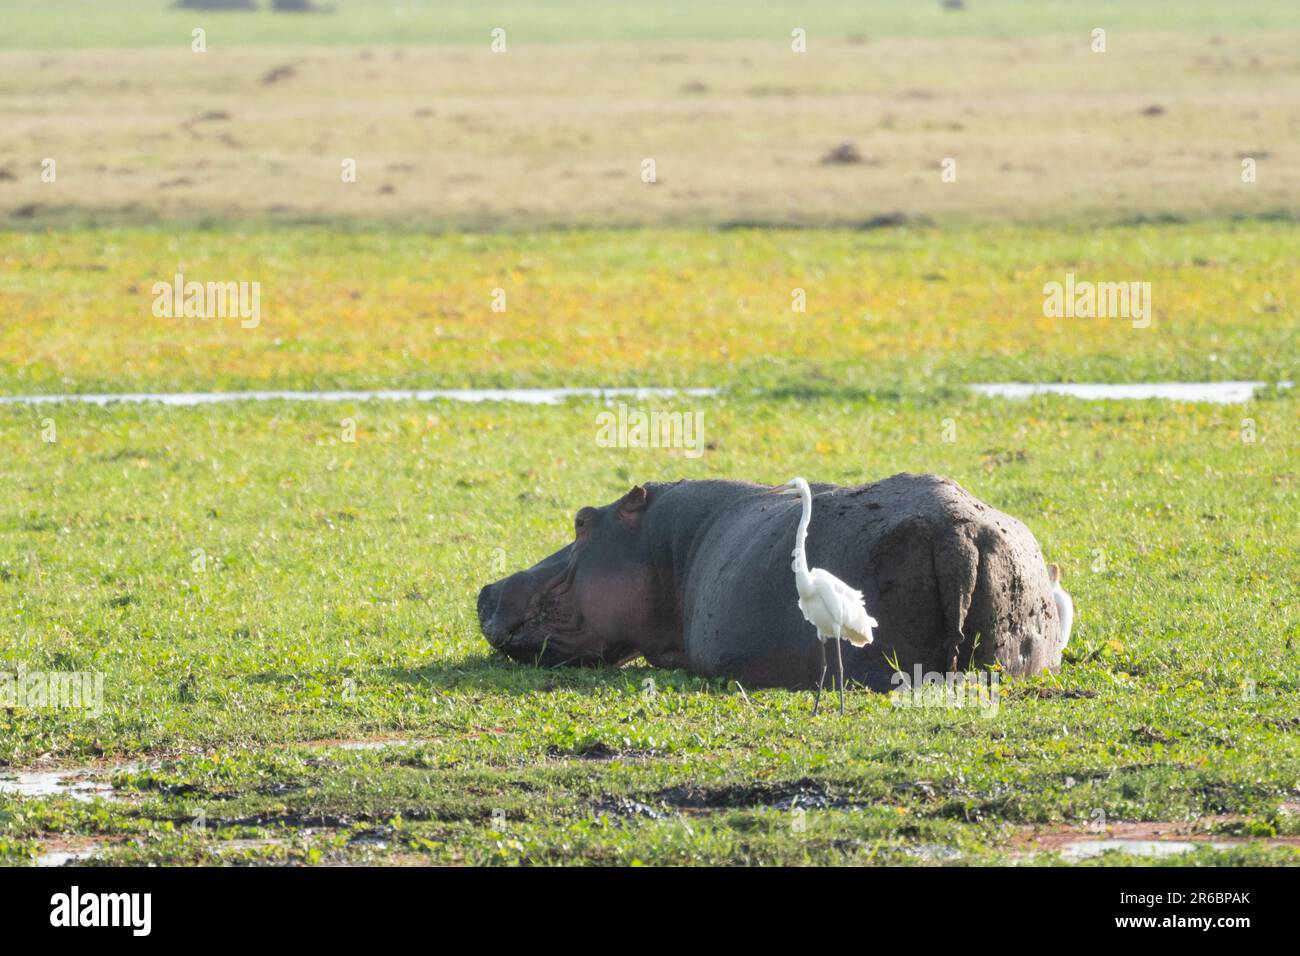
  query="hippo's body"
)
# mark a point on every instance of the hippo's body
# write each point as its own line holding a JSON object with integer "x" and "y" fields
{"x": 696, "y": 574}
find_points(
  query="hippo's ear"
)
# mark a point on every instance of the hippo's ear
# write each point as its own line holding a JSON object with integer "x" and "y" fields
{"x": 631, "y": 504}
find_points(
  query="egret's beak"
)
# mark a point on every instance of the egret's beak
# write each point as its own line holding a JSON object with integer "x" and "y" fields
{"x": 782, "y": 490}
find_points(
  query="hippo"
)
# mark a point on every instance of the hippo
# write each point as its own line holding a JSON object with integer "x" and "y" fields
{"x": 696, "y": 575}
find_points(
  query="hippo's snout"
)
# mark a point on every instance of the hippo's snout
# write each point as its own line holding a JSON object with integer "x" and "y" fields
{"x": 488, "y": 601}
{"x": 501, "y": 610}
{"x": 535, "y": 616}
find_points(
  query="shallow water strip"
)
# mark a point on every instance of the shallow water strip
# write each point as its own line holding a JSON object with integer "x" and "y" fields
{"x": 1221, "y": 393}
{"x": 526, "y": 396}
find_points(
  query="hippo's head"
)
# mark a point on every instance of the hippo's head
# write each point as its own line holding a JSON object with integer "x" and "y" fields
{"x": 597, "y": 600}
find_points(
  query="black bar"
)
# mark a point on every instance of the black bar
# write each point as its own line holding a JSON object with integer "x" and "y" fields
{"x": 329, "y": 905}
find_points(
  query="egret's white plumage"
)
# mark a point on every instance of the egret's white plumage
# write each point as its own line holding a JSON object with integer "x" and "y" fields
{"x": 838, "y": 611}
{"x": 1064, "y": 603}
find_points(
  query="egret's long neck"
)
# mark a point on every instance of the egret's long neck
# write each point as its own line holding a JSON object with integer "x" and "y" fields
{"x": 801, "y": 575}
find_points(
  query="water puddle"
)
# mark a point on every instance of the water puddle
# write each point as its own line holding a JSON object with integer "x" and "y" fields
{"x": 627, "y": 807}
{"x": 933, "y": 852}
{"x": 65, "y": 857}
{"x": 1222, "y": 393}
{"x": 1151, "y": 839}
{"x": 77, "y": 784}
{"x": 1219, "y": 393}
{"x": 802, "y": 794}
{"x": 88, "y": 783}
{"x": 68, "y": 853}
{"x": 524, "y": 396}
{"x": 377, "y": 744}
{"x": 1088, "y": 849}
{"x": 376, "y": 839}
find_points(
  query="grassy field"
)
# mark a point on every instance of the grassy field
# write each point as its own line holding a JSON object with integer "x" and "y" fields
{"x": 321, "y": 562}
{"x": 890, "y": 310}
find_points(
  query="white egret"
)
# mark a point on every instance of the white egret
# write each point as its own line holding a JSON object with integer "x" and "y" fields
{"x": 1064, "y": 604}
{"x": 828, "y": 604}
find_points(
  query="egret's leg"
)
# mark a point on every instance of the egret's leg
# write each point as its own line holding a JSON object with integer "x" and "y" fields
{"x": 821, "y": 680}
{"x": 839, "y": 652}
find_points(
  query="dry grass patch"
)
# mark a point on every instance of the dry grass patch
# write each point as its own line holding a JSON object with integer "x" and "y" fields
{"x": 1041, "y": 129}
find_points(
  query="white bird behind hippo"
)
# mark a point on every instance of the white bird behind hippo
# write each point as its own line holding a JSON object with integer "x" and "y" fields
{"x": 1064, "y": 603}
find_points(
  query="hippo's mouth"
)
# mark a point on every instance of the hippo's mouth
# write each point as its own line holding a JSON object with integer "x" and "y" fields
{"x": 542, "y": 645}
{"x": 548, "y": 633}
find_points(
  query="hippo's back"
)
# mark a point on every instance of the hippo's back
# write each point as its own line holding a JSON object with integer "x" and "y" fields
{"x": 951, "y": 564}
{"x": 952, "y": 581}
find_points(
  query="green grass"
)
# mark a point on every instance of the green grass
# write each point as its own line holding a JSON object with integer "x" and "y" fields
{"x": 144, "y": 23}
{"x": 325, "y": 562}
{"x": 890, "y": 311}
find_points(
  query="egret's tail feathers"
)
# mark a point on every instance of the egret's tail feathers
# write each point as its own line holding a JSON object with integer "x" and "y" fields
{"x": 858, "y": 632}
{"x": 856, "y": 639}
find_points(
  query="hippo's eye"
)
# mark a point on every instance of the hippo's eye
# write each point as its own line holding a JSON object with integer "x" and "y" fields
{"x": 582, "y": 522}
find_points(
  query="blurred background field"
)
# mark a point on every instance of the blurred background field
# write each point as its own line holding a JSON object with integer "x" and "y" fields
{"x": 1041, "y": 130}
